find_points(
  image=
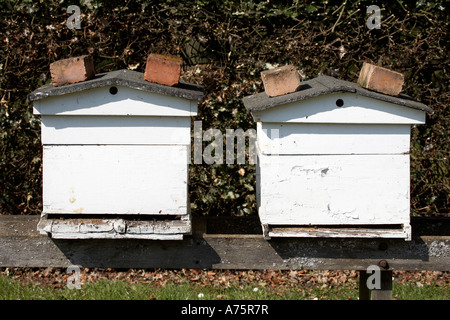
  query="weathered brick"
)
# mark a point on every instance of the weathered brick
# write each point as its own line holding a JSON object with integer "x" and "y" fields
{"x": 281, "y": 80}
{"x": 72, "y": 70}
{"x": 380, "y": 79}
{"x": 163, "y": 69}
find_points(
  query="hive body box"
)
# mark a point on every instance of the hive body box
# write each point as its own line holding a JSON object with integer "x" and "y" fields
{"x": 333, "y": 161}
{"x": 116, "y": 151}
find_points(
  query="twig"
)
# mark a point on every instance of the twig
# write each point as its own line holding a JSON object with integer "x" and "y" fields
{"x": 340, "y": 15}
{"x": 401, "y": 5}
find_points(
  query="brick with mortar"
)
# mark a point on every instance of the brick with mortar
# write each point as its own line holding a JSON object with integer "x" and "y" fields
{"x": 72, "y": 70}
{"x": 281, "y": 80}
{"x": 163, "y": 69}
{"x": 380, "y": 79}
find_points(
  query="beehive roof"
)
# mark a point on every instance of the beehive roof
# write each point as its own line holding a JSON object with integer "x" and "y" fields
{"x": 127, "y": 78}
{"x": 324, "y": 85}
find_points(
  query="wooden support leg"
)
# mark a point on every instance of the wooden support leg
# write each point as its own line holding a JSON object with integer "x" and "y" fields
{"x": 364, "y": 292}
{"x": 385, "y": 292}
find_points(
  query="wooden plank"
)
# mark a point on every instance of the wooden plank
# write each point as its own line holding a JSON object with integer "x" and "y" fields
{"x": 356, "y": 109}
{"x": 115, "y": 130}
{"x": 116, "y": 236}
{"x": 115, "y": 179}
{"x": 322, "y": 232}
{"x": 307, "y": 138}
{"x": 107, "y": 228}
{"x": 126, "y": 102}
{"x": 22, "y": 246}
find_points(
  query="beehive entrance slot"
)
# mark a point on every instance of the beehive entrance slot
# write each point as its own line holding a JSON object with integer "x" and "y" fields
{"x": 339, "y": 231}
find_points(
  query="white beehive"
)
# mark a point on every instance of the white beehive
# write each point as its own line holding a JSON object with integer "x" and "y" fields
{"x": 116, "y": 151}
{"x": 333, "y": 161}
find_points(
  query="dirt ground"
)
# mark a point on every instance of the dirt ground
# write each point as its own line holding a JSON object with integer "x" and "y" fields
{"x": 57, "y": 277}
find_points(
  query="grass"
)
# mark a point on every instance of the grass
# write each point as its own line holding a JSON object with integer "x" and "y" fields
{"x": 426, "y": 292}
{"x": 11, "y": 289}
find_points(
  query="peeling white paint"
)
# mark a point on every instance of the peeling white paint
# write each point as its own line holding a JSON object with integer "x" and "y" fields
{"x": 335, "y": 166}
{"x": 115, "y": 154}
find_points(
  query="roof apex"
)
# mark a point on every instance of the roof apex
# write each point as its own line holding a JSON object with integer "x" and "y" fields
{"x": 323, "y": 85}
{"x": 127, "y": 78}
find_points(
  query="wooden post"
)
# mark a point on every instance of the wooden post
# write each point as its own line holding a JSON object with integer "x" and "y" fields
{"x": 385, "y": 291}
{"x": 364, "y": 292}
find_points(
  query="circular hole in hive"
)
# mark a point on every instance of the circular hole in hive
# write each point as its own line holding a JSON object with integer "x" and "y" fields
{"x": 113, "y": 90}
{"x": 339, "y": 102}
